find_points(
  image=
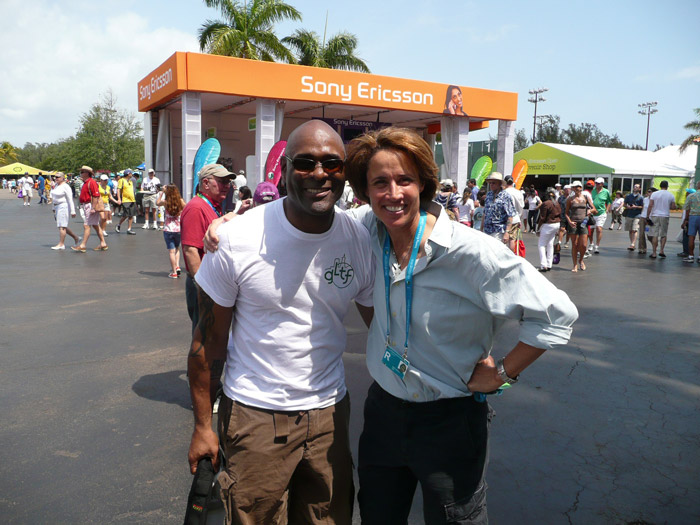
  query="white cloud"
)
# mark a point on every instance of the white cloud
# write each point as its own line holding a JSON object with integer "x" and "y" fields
{"x": 72, "y": 55}
{"x": 690, "y": 73}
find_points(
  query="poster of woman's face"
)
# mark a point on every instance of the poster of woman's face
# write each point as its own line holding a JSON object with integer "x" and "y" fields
{"x": 453, "y": 101}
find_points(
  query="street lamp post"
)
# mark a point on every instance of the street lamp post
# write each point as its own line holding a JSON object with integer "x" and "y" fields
{"x": 648, "y": 110}
{"x": 537, "y": 97}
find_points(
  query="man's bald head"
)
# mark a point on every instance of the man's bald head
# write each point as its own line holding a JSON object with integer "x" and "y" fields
{"x": 313, "y": 131}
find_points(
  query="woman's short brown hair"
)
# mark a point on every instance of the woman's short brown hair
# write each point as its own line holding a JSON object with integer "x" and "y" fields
{"x": 361, "y": 150}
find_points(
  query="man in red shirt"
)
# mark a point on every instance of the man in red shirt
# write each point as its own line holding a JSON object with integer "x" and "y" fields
{"x": 214, "y": 181}
{"x": 89, "y": 196}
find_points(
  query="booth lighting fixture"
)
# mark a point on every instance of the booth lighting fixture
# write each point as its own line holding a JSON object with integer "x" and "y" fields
{"x": 537, "y": 97}
{"x": 647, "y": 110}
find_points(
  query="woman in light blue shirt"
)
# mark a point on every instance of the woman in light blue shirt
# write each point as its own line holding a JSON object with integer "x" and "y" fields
{"x": 456, "y": 286}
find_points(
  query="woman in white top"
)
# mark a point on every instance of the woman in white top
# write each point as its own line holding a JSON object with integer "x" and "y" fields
{"x": 533, "y": 211}
{"x": 63, "y": 208}
{"x": 466, "y": 208}
{"x": 616, "y": 209}
{"x": 173, "y": 203}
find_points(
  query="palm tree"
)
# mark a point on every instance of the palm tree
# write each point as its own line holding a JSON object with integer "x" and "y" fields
{"x": 694, "y": 127}
{"x": 337, "y": 53}
{"x": 246, "y": 31}
{"x": 8, "y": 153}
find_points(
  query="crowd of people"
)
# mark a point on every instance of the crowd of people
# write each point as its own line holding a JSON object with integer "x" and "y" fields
{"x": 100, "y": 198}
{"x": 572, "y": 216}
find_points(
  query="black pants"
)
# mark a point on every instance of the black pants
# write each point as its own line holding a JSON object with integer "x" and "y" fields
{"x": 441, "y": 444}
{"x": 532, "y": 217}
{"x": 192, "y": 299}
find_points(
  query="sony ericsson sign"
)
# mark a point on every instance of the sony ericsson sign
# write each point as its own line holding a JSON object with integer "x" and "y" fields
{"x": 364, "y": 91}
{"x": 157, "y": 82}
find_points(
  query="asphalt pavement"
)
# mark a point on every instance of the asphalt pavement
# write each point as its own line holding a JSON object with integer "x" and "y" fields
{"x": 96, "y": 416}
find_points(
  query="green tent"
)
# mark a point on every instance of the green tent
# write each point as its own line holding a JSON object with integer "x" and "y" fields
{"x": 19, "y": 169}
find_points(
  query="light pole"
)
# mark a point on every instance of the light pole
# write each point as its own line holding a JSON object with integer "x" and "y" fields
{"x": 535, "y": 99}
{"x": 648, "y": 110}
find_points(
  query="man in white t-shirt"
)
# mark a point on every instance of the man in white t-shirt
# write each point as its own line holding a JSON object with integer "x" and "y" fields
{"x": 291, "y": 269}
{"x": 26, "y": 183}
{"x": 660, "y": 205}
{"x": 150, "y": 185}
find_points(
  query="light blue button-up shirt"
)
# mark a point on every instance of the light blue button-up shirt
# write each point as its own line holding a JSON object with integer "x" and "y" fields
{"x": 465, "y": 287}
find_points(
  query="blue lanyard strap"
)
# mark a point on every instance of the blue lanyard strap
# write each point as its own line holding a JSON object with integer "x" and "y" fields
{"x": 218, "y": 213}
{"x": 408, "y": 280}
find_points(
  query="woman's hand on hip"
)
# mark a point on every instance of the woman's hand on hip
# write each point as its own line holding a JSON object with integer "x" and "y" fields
{"x": 485, "y": 378}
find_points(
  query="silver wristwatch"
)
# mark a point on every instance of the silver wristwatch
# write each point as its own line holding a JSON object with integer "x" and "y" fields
{"x": 502, "y": 373}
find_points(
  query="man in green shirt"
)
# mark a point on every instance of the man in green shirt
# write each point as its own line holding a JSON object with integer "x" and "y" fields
{"x": 602, "y": 201}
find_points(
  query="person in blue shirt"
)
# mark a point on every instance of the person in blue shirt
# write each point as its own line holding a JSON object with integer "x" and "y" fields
{"x": 42, "y": 186}
{"x": 634, "y": 202}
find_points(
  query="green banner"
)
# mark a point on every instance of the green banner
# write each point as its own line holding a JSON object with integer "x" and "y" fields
{"x": 676, "y": 185}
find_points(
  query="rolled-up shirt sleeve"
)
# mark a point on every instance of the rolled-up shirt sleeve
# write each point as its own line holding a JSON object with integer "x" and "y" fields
{"x": 513, "y": 289}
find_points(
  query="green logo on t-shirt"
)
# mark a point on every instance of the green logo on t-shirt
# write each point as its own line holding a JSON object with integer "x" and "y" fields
{"x": 340, "y": 274}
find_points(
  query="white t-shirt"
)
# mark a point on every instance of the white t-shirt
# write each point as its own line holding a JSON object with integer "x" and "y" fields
{"x": 290, "y": 291}
{"x": 662, "y": 200}
{"x": 644, "y": 208}
{"x": 617, "y": 203}
{"x": 466, "y": 210}
{"x": 518, "y": 202}
{"x": 149, "y": 184}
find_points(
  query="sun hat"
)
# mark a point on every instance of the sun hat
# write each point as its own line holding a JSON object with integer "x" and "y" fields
{"x": 265, "y": 192}
{"x": 214, "y": 170}
{"x": 447, "y": 183}
{"x": 495, "y": 175}
{"x": 88, "y": 169}
{"x": 567, "y": 187}
{"x": 151, "y": 170}
{"x": 576, "y": 184}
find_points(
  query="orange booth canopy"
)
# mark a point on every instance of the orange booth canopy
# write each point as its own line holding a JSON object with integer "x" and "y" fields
{"x": 328, "y": 87}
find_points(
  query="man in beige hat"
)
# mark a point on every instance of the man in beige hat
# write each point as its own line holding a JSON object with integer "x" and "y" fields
{"x": 499, "y": 209}
{"x": 89, "y": 197}
{"x": 214, "y": 182}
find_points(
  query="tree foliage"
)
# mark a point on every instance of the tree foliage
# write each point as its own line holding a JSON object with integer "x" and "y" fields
{"x": 246, "y": 31}
{"x": 694, "y": 127}
{"x": 584, "y": 134}
{"x": 521, "y": 140}
{"x": 8, "y": 153}
{"x": 337, "y": 53}
{"x": 108, "y": 138}
{"x": 548, "y": 130}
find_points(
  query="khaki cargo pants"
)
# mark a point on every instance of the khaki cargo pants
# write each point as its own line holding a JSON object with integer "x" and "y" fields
{"x": 286, "y": 467}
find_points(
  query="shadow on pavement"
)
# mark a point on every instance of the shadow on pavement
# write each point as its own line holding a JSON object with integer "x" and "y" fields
{"x": 167, "y": 387}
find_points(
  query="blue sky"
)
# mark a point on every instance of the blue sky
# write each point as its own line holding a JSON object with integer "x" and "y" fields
{"x": 598, "y": 59}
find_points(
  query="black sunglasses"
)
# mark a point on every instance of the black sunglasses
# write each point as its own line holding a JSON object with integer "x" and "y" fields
{"x": 308, "y": 165}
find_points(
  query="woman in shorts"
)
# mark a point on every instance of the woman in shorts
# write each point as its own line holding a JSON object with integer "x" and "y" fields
{"x": 578, "y": 210}
{"x": 64, "y": 209}
{"x": 173, "y": 204}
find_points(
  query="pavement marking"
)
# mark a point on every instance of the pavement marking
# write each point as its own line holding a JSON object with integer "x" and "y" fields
{"x": 67, "y": 454}
{"x": 80, "y": 304}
